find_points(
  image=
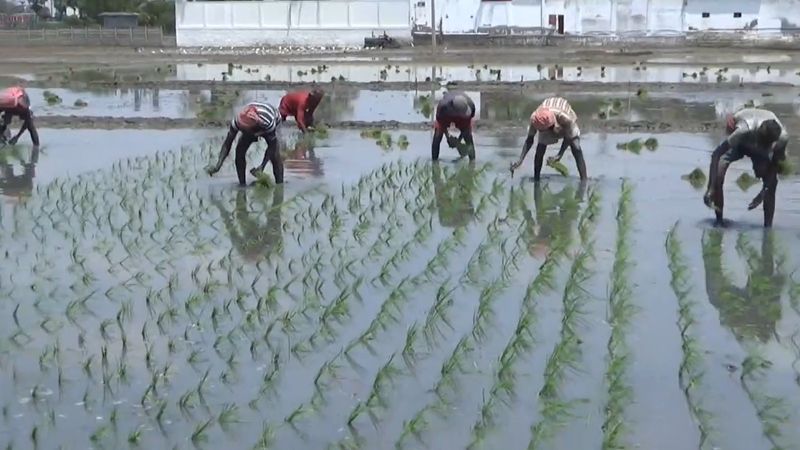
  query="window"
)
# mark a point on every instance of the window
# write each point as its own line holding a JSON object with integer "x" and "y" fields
{"x": 706, "y": 15}
{"x": 737, "y": 15}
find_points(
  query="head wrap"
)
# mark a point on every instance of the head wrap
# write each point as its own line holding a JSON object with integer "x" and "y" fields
{"x": 543, "y": 118}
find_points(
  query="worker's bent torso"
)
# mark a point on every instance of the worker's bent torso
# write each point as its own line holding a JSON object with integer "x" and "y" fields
{"x": 566, "y": 119}
{"x": 258, "y": 119}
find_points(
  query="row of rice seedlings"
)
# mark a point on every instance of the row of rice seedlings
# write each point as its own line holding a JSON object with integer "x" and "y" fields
{"x": 105, "y": 326}
{"x": 765, "y": 286}
{"x": 555, "y": 410}
{"x": 621, "y": 311}
{"x": 691, "y": 373}
{"x": 502, "y": 391}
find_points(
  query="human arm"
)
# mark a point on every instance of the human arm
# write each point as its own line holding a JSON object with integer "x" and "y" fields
{"x": 224, "y": 150}
{"x": 27, "y": 125}
{"x": 526, "y": 147}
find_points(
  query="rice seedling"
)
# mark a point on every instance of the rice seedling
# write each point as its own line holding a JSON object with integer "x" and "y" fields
{"x": 51, "y": 98}
{"x": 691, "y": 370}
{"x": 620, "y": 315}
{"x": 745, "y": 181}
{"x": 697, "y": 178}
{"x": 651, "y": 143}
{"x": 558, "y": 166}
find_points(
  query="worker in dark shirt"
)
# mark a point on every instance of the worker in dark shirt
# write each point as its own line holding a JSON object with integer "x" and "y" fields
{"x": 455, "y": 108}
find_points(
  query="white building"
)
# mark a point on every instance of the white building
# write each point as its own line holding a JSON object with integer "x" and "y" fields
{"x": 348, "y": 22}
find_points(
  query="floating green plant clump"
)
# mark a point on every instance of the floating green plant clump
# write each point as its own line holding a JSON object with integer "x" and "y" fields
{"x": 746, "y": 181}
{"x": 402, "y": 142}
{"x": 697, "y": 178}
{"x": 372, "y": 133}
{"x": 651, "y": 143}
{"x": 51, "y": 98}
{"x": 634, "y": 146}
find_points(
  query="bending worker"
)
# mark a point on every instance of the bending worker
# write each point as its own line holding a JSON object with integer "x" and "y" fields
{"x": 759, "y": 135}
{"x": 554, "y": 120}
{"x": 301, "y": 105}
{"x": 256, "y": 120}
{"x": 455, "y": 108}
{"x": 14, "y": 101}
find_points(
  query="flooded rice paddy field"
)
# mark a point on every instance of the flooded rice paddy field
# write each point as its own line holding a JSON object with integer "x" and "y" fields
{"x": 348, "y": 104}
{"x": 377, "y": 300}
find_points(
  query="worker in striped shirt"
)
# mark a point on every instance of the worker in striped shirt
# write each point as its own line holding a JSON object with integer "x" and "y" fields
{"x": 14, "y": 101}
{"x": 554, "y": 120}
{"x": 254, "y": 121}
{"x": 759, "y": 135}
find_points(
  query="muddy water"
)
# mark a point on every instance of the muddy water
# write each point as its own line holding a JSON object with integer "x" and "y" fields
{"x": 341, "y": 104}
{"x": 147, "y": 303}
{"x": 358, "y": 72}
{"x": 352, "y": 104}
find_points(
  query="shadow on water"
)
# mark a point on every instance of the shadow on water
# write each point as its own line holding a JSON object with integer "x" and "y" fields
{"x": 13, "y": 184}
{"x": 250, "y": 237}
{"x": 454, "y": 191}
{"x": 752, "y": 311}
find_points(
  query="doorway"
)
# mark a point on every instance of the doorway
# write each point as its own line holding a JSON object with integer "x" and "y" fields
{"x": 556, "y": 21}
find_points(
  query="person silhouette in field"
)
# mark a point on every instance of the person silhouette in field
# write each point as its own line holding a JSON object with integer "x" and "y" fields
{"x": 14, "y": 101}
{"x": 252, "y": 238}
{"x": 554, "y": 212}
{"x": 752, "y": 311}
{"x": 256, "y": 120}
{"x": 760, "y": 136}
{"x": 455, "y": 108}
{"x": 454, "y": 194}
{"x": 301, "y": 105}
{"x": 554, "y": 120}
{"x": 18, "y": 186}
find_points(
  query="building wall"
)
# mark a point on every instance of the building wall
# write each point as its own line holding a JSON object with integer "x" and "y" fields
{"x": 347, "y": 22}
{"x": 309, "y": 22}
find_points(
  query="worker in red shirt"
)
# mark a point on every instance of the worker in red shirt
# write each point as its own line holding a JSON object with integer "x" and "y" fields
{"x": 14, "y": 101}
{"x": 301, "y": 105}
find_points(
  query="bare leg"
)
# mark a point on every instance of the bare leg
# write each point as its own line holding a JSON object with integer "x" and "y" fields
{"x": 467, "y": 134}
{"x": 436, "y": 144}
{"x": 577, "y": 153}
{"x": 538, "y": 159}
{"x": 771, "y": 186}
{"x": 717, "y": 194}
{"x": 274, "y": 152}
{"x": 245, "y": 141}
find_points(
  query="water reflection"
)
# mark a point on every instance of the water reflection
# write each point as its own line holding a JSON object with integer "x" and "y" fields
{"x": 454, "y": 191}
{"x": 302, "y": 159}
{"x": 507, "y": 106}
{"x": 752, "y": 311}
{"x": 554, "y": 212}
{"x": 15, "y": 185}
{"x": 251, "y": 238}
